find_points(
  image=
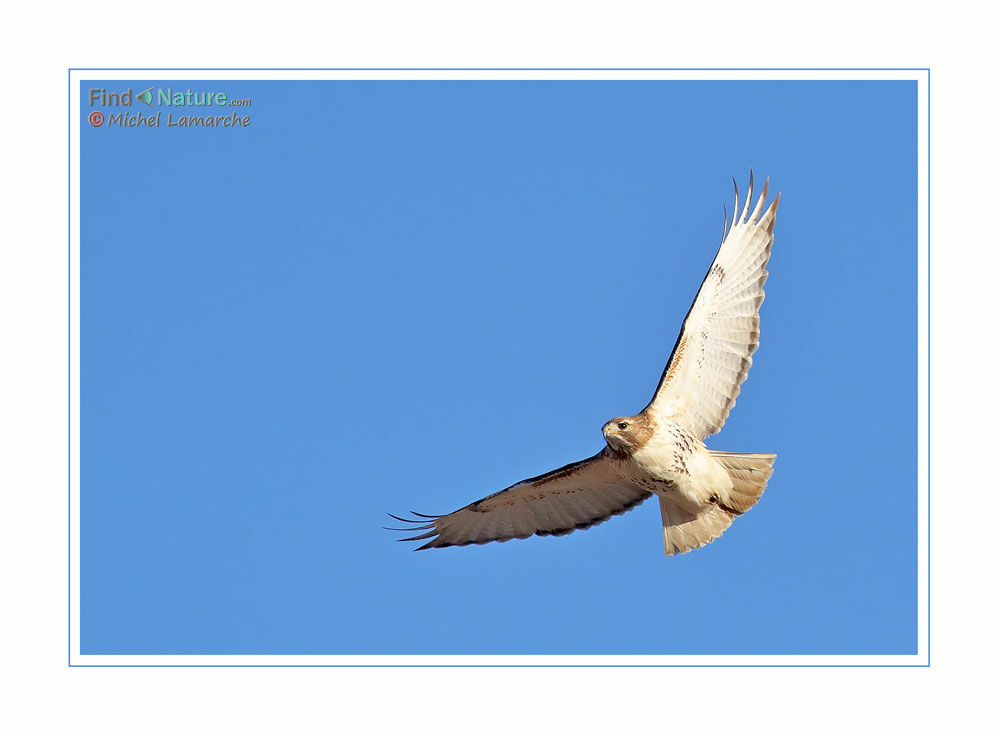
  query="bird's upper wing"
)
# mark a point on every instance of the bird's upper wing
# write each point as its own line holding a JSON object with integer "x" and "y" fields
{"x": 573, "y": 497}
{"x": 722, "y": 329}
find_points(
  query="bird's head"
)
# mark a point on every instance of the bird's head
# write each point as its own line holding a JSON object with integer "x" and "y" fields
{"x": 627, "y": 434}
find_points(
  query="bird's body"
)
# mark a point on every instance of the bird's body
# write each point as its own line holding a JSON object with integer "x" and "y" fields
{"x": 674, "y": 464}
{"x": 700, "y": 491}
{"x": 659, "y": 451}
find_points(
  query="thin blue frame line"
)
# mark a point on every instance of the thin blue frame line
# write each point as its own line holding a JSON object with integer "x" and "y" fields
{"x": 69, "y": 368}
{"x": 534, "y": 666}
{"x": 504, "y": 69}
{"x": 929, "y": 406}
{"x": 70, "y": 71}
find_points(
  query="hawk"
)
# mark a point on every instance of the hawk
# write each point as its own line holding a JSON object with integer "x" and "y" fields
{"x": 659, "y": 451}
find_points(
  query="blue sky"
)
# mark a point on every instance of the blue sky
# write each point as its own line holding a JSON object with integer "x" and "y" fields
{"x": 384, "y": 296}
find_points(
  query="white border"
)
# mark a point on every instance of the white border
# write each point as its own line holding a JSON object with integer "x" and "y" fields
{"x": 921, "y": 658}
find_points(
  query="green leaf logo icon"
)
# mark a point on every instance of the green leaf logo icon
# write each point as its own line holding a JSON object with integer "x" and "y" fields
{"x": 146, "y": 96}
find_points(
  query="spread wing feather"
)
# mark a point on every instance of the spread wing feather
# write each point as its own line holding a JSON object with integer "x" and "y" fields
{"x": 722, "y": 329}
{"x": 573, "y": 497}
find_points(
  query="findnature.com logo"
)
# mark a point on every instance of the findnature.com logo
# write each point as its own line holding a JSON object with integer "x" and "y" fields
{"x": 166, "y": 98}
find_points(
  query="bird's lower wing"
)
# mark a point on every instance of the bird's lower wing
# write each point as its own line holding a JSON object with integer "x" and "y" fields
{"x": 573, "y": 497}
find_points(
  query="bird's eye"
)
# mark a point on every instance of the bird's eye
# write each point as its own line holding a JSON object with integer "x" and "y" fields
{"x": 622, "y": 425}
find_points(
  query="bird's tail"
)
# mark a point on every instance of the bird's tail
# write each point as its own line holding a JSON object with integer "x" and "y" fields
{"x": 684, "y": 530}
{"x": 749, "y": 474}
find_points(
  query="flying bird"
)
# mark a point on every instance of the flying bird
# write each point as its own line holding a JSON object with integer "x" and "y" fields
{"x": 659, "y": 451}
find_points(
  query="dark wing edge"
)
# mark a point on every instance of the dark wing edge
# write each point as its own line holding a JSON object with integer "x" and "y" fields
{"x": 604, "y": 501}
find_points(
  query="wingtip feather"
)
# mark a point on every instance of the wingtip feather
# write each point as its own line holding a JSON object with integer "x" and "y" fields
{"x": 735, "y": 207}
{"x": 433, "y": 544}
{"x": 771, "y": 214}
{"x": 749, "y": 198}
{"x": 418, "y": 537}
{"x": 760, "y": 202}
